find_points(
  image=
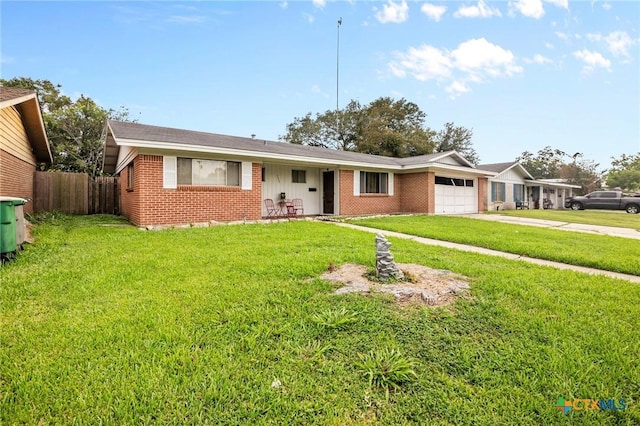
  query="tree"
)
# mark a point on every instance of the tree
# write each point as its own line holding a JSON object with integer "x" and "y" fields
{"x": 74, "y": 129}
{"x": 581, "y": 172}
{"x": 545, "y": 165}
{"x": 459, "y": 139}
{"x": 625, "y": 173}
{"x": 552, "y": 163}
{"x": 384, "y": 127}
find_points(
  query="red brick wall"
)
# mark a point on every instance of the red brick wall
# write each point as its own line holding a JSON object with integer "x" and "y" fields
{"x": 417, "y": 192}
{"x": 16, "y": 178}
{"x": 482, "y": 187}
{"x": 366, "y": 203}
{"x": 129, "y": 201}
{"x": 150, "y": 204}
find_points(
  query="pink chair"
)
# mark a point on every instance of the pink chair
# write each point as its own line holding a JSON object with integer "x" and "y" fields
{"x": 298, "y": 209}
{"x": 272, "y": 210}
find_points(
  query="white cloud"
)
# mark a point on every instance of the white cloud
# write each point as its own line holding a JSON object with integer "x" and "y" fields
{"x": 473, "y": 61}
{"x": 393, "y": 12}
{"x": 7, "y": 59}
{"x": 183, "y": 19}
{"x": 549, "y": 46}
{"x": 457, "y": 88}
{"x": 562, "y": 36}
{"x": 592, "y": 60}
{"x": 559, "y": 3}
{"x": 315, "y": 89}
{"x": 481, "y": 56}
{"x": 433, "y": 11}
{"x": 538, "y": 59}
{"x": 320, "y": 3}
{"x": 309, "y": 18}
{"x": 529, "y": 8}
{"x": 619, "y": 42}
{"x": 479, "y": 11}
{"x": 606, "y": 6}
{"x": 423, "y": 63}
{"x": 284, "y": 5}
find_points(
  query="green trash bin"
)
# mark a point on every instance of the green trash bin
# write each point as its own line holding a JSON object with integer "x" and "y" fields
{"x": 7, "y": 226}
{"x": 11, "y": 226}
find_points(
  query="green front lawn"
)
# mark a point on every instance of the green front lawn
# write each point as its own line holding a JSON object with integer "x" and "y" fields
{"x": 101, "y": 323}
{"x": 590, "y": 217}
{"x": 596, "y": 251}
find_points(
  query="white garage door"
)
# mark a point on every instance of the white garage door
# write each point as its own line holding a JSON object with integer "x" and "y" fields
{"x": 455, "y": 195}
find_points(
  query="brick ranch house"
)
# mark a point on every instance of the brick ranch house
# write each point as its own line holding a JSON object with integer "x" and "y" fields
{"x": 23, "y": 142}
{"x": 171, "y": 176}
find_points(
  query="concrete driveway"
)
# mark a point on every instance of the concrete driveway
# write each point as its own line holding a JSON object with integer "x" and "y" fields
{"x": 563, "y": 226}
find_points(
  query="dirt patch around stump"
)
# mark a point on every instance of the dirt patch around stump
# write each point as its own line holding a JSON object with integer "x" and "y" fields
{"x": 431, "y": 287}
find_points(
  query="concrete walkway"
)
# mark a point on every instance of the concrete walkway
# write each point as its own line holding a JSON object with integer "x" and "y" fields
{"x": 480, "y": 250}
{"x": 563, "y": 226}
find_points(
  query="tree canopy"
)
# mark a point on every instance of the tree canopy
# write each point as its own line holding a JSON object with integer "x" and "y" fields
{"x": 550, "y": 163}
{"x": 74, "y": 128}
{"x": 625, "y": 173}
{"x": 395, "y": 128}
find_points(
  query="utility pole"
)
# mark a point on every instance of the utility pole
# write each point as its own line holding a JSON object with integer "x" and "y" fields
{"x": 338, "y": 67}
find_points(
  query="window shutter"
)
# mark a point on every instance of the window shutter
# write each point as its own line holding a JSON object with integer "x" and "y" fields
{"x": 169, "y": 172}
{"x": 493, "y": 191}
{"x": 504, "y": 192}
{"x": 247, "y": 175}
{"x": 390, "y": 183}
{"x": 356, "y": 182}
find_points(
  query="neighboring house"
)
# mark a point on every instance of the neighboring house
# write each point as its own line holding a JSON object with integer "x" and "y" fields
{"x": 180, "y": 176}
{"x": 514, "y": 187}
{"x": 23, "y": 142}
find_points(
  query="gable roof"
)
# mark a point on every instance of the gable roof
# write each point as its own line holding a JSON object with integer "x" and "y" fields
{"x": 499, "y": 168}
{"x": 164, "y": 138}
{"x": 26, "y": 103}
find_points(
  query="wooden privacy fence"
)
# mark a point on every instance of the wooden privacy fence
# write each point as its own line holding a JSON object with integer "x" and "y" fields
{"x": 75, "y": 193}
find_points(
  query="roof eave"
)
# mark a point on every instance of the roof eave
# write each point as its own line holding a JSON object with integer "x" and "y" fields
{"x": 34, "y": 126}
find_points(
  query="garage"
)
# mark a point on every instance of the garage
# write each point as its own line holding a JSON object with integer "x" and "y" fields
{"x": 455, "y": 195}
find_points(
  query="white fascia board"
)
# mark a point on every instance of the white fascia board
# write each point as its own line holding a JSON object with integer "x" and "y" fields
{"x": 454, "y": 154}
{"x": 125, "y": 156}
{"x": 448, "y": 167}
{"x": 252, "y": 154}
{"x": 525, "y": 171}
{"x": 551, "y": 184}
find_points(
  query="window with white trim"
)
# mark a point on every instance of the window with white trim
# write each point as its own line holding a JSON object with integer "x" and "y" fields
{"x": 193, "y": 171}
{"x": 374, "y": 183}
{"x": 518, "y": 192}
{"x": 497, "y": 191}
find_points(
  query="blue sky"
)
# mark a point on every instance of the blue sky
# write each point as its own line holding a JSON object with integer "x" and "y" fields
{"x": 523, "y": 74}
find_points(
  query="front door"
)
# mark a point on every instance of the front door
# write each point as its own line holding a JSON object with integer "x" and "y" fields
{"x": 327, "y": 192}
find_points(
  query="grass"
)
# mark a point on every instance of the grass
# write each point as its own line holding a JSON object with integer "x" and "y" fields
{"x": 590, "y": 217}
{"x": 101, "y": 323}
{"x": 597, "y": 251}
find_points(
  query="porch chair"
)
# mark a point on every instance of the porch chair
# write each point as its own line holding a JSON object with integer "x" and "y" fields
{"x": 297, "y": 206}
{"x": 272, "y": 210}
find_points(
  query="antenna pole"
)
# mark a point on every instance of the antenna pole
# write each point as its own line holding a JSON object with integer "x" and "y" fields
{"x": 338, "y": 67}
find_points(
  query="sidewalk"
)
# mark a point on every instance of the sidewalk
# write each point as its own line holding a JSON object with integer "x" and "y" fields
{"x": 563, "y": 226}
{"x": 480, "y": 250}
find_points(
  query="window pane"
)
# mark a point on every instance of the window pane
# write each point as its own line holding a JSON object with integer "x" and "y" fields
{"x": 184, "y": 171}
{"x": 299, "y": 176}
{"x": 233, "y": 173}
{"x": 469, "y": 182}
{"x": 207, "y": 172}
